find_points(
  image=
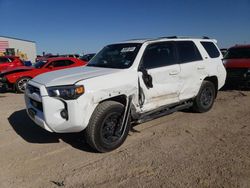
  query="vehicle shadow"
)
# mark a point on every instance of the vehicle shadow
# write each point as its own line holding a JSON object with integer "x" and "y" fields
{"x": 32, "y": 133}
{"x": 3, "y": 90}
{"x": 235, "y": 87}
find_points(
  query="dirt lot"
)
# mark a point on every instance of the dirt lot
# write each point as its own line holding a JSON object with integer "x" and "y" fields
{"x": 179, "y": 150}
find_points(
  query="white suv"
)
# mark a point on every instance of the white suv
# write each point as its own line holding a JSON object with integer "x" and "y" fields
{"x": 128, "y": 82}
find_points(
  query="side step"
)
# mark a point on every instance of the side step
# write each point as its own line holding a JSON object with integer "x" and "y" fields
{"x": 162, "y": 111}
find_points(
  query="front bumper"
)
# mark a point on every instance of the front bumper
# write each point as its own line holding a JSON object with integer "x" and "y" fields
{"x": 46, "y": 111}
{"x": 238, "y": 77}
{"x": 3, "y": 86}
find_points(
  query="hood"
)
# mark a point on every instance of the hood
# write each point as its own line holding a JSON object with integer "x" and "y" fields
{"x": 236, "y": 63}
{"x": 72, "y": 75}
{"x": 16, "y": 69}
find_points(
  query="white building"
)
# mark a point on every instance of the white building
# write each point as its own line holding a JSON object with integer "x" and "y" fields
{"x": 25, "y": 49}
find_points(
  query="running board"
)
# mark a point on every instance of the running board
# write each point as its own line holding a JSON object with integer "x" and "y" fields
{"x": 162, "y": 111}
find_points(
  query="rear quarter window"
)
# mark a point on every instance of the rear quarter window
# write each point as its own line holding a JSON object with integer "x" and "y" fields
{"x": 211, "y": 49}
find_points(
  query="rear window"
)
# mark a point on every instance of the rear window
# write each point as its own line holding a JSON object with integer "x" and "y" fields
{"x": 211, "y": 49}
{"x": 187, "y": 52}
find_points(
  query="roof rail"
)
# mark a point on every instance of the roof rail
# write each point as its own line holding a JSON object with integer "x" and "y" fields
{"x": 181, "y": 37}
{"x": 168, "y": 37}
{"x": 138, "y": 39}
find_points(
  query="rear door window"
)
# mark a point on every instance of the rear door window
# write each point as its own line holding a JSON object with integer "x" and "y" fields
{"x": 187, "y": 51}
{"x": 211, "y": 49}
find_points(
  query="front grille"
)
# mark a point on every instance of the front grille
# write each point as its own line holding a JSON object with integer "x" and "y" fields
{"x": 36, "y": 104}
{"x": 33, "y": 89}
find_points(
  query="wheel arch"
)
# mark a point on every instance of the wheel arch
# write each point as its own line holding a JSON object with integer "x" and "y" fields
{"x": 214, "y": 80}
{"x": 119, "y": 98}
{"x": 17, "y": 80}
{"x": 123, "y": 99}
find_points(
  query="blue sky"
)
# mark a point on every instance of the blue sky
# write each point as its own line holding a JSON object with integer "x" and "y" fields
{"x": 75, "y": 26}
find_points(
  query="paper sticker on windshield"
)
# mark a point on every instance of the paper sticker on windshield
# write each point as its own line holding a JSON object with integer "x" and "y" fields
{"x": 128, "y": 49}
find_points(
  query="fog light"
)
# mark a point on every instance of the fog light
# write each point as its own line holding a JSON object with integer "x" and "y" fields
{"x": 64, "y": 114}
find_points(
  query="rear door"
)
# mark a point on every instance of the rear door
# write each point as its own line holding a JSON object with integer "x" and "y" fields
{"x": 193, "y": 68}
{"x": 158, "y": 76}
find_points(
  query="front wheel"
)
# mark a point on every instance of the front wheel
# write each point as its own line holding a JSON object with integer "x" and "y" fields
{"x": 21, "y": 84}
{"x": 103, "y": 132}
{"x": 205, "y": 98}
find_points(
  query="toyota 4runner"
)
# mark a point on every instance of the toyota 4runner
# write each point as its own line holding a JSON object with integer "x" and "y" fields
{"x": 129, "y": 82}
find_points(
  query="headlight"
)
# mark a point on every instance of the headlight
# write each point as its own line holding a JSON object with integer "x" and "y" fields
{"x": 66, "y": 92}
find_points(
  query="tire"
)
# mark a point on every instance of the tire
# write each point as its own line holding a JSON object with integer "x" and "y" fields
{"x": 20, "y": 84}
{"x": 205, "y": 98}
{"x": 101, "y": 132}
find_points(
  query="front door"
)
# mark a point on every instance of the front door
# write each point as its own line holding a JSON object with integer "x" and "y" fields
{"x": 158, "y": 76}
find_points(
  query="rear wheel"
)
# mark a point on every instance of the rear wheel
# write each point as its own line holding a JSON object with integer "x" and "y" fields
{"x": 205, "y": 98}
{"x": 21, "y": 83}
{"x": 103, "y": 132}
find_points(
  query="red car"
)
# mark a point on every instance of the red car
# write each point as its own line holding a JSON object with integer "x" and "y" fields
{"x": 17, "y": 78}
{"x": 237, "y": 63}
{"x": 9, "y": 62}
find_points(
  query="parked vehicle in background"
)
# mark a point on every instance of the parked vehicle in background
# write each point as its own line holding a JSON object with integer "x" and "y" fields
{"x": 87, "y": 57}
{"x": 27, "y": 63}
{"x": 17, "y": 78}
{"x": 45, "y": 57}
{"x": 133, "y": 81}
{"x": 9, "y": 62}
{"x": 237, "y": 63}
{"x": 70, "y": 55}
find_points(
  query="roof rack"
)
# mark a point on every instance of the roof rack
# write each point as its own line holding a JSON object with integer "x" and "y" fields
{"x": 181, "y": 37}
{"x": 168, "y": 37}
{"x": 139, "y": 39}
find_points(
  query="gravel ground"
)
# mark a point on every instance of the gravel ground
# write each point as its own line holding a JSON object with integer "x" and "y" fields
{"x": 179, "y": 150}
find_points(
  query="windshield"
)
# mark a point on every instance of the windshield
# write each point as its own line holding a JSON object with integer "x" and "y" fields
{"x": 118, "y": 56}
{"x": 238, "y": 53}
{"x": 39, "y": 64}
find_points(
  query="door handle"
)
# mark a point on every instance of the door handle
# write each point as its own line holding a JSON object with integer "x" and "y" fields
{"x": 174, "y": 72}
{"x": 201, "y": 67}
